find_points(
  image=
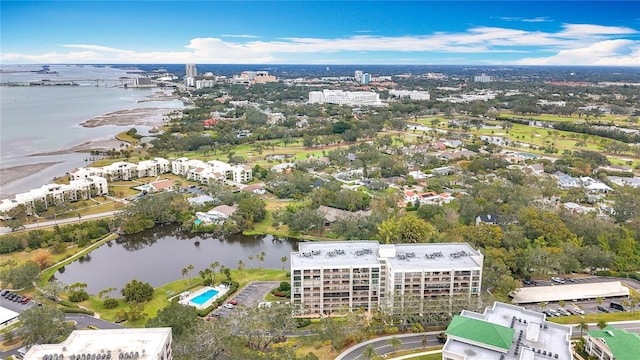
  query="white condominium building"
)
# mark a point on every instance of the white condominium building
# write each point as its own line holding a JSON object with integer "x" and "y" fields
{"x": 334, "y": 276}
{"x": 108, "y": 344}
{"x": 122, "y": 170}
{"x": 340, "y": 97}
{"x": 51, "y": 194}
{"x": 208, "y": 172}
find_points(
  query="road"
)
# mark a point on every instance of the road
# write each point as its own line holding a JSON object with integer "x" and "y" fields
{"x": 382, "y": 347}
{"x": 6, "y": 230}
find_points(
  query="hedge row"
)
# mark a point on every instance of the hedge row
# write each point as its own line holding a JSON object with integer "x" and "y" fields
{"x": 71, "y": 310}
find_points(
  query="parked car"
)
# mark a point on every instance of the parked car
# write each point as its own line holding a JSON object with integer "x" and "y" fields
{"x": 563, "y": 312}
{"x": 558, "y": 280}
{"x": 578, "y": 310}
{"x": 528, "y": 282}
{"x": 233, "y": 302}
{"x": 571, "y": 311}
{"x": 18, "y": 298}
{"x": 228, "y": 306}
{"x": 555, "y": 313}
{"x": 602, "y": 308}
{"x": 25, "y": 300}
{"x": 4, "y": 292}
{"x": 11, "y": 296}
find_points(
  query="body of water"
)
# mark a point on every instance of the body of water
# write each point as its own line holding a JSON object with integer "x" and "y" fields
{"x": 41, "y": 119}
{"x": 158, "y": 255}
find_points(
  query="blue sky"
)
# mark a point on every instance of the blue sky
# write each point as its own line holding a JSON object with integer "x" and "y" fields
{"x": 321, "y": 32}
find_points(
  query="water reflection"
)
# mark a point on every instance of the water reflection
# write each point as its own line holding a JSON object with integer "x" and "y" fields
{"x": 158, "y": 256}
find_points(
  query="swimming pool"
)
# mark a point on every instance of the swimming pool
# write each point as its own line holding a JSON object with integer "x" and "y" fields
{"x": 204, "y": 297}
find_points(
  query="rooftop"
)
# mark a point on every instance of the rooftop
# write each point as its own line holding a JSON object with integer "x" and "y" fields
{"x": 481, "y": 331}
{"x": 399, "y": 256}
{"x": 148, "y": 343}
{"x": 623, "y": 344}
{"x": 533, "y": 337}
{"x": 536, "y": 294}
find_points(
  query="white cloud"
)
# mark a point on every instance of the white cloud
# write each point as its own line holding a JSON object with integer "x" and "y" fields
{"x": 604, "y": 53}
{"x": 573, "y": 44}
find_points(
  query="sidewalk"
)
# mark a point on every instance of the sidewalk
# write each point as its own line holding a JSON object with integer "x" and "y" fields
{"x": 411, "y": 356}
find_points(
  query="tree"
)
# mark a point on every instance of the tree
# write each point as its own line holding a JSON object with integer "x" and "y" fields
{"x": 77, "y": 292}
{"x": 208, "y": 340}
{"x": 240, "y": 265}
{"x": 284, "y": 261}
{"x": 406, "y": 229}
{"x": 180, "y": 318}
{"x": 395, "y": 343}
{"x": 602, "y": 324}
{"x": 20, "y": 276}
{"x": 369, "y": 352}
{"x": 262, "y": 327}
{"x": 260, "y": 258}
{"x": 227, "y": 273}
{"x": 252, "y": 209}
{"x": 43, "y": 325}
{"x": 137, "y": 292}
{"x": 41, "y": 257}
{"x": 583, "y": 326}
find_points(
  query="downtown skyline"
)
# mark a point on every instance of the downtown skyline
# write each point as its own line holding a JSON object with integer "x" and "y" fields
{"x": 321, "y": 32}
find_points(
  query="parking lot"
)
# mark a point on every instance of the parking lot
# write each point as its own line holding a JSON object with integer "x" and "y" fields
{"x": 15, "y": 306}
{"x": 249, "y": 296}
{"x": 588, "y": 306}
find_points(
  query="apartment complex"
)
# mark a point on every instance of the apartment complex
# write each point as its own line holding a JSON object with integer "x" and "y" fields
{"x": 612, "y": 344}
{"x": 122, "y": 170}
{"x": 506, "y": 332}
{"x": 335, "y": 276}
{"x": 210, "y": 171}
{"x": 51, "y": 194}
{"x": 139, "y": 344}
{"x": 340, "y": 97}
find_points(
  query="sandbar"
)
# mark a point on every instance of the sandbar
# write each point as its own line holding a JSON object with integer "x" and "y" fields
{"x": 130, "y": 117}
{"x": 17, "y": 172}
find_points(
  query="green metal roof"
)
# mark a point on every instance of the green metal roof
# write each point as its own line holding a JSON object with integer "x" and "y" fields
{"x": 481, "y": 331}
{"x": 623, "y": 344}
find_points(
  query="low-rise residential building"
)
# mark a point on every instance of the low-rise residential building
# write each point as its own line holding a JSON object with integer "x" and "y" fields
{"x": 51, "y": 194}
{"x": 211, "y": 171}
{"x": 140, "y": 344}
{"x": 612, "y": 344}
{"x": 506, "y": 332}
{"x": 122, "y": 170}
{"x": 328, "y": 278}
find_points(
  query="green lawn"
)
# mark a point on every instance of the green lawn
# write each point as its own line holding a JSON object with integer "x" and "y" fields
{"x": 164, "y": 292}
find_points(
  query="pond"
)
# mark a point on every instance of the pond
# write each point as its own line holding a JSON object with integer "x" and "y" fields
{"x": 158, "y": 255}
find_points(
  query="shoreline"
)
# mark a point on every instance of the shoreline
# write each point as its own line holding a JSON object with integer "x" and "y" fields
{"x": 13, "y": 173}
{"x": 87, "y": 147}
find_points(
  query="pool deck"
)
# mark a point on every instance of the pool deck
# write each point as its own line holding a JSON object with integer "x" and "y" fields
{"x": 187, "y": 296}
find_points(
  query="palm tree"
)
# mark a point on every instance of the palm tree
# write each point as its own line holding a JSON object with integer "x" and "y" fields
{"x": 602, "y": 324}
{"x": 583, "y": 326}
{"x": 369, "y": 352}
{"x": 251, "y": 259}
{"x": 214, "y": 266}
{"x": 395, "y": 343}
{"x": 284, "y": 260}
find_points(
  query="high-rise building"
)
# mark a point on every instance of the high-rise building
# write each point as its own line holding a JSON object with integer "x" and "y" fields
{"x": 358, "y": 76}
{"x": 191, "y": 70}
{"x": 331, "y": 277}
